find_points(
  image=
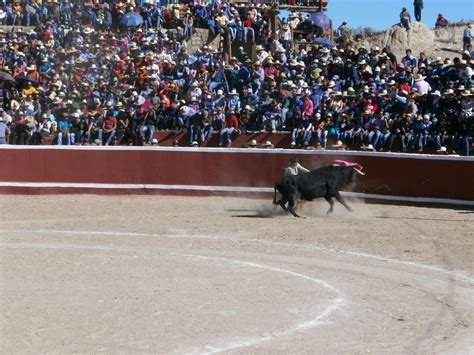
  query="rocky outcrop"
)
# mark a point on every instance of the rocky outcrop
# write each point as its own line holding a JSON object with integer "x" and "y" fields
{"x": 444, "y": 42}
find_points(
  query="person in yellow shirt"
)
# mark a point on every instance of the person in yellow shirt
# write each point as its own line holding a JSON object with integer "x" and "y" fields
{"x": 29, "y": 89}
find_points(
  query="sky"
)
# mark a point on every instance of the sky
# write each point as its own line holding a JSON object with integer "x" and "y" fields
{"x": 381, "y": 14}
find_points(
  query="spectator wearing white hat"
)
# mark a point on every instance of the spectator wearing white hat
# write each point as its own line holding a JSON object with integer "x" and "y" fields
{"x": 421, "y": 85}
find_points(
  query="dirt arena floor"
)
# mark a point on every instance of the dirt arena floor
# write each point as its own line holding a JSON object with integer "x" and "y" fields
{"x": 163, "y": 274}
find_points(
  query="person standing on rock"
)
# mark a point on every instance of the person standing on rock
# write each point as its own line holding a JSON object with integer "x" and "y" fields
{"x": 468, "y": 34}
{"x": 418, "y": 4}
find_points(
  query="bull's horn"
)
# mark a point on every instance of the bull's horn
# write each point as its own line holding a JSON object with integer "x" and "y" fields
{"x": 358, "y": 171}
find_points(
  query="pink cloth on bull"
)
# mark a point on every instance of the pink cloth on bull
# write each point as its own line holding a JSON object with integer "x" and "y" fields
{"x": 347, "y": 163}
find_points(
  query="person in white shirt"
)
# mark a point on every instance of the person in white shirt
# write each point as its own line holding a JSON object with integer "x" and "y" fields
{"x": 422, "y": 86}
{"x": 295, "y": 168}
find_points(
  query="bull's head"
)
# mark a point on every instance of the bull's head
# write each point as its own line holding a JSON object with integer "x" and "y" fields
{"x": 352, "y": 177}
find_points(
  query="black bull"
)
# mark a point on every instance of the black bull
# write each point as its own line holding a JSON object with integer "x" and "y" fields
{"x": 323, "y": 182}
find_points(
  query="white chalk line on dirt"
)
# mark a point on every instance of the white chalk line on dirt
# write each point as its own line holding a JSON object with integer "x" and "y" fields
{"x": 312, "y": 323}
{"x": 308, "y": 247}
{"x": 335, "y": 303}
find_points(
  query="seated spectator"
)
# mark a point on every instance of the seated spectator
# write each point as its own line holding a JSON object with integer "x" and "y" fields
{"x": 64, "y": 135}
{"x": 231, "y": 125}
{"x": 109, "y": 127}
{"x": 405, "y": 18}
{"x": 441, "y": 21}
{"x": 147, "y": 125}
{"x": 80, "y": 63}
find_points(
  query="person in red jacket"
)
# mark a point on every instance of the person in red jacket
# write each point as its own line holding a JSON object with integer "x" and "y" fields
{"x": 441, "y": 21}
{"x": 231, "y": 124}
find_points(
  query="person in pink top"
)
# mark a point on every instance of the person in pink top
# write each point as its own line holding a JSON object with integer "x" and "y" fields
{"x": 308, "y": 107}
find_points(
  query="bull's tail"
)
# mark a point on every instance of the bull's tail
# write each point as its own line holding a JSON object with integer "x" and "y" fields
{"x": 275, "y": 196}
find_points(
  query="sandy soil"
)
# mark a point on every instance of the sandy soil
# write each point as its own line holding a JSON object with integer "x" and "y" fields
{"x": 134, "y": 274}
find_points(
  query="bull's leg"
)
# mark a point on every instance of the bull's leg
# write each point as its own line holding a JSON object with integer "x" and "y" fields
{"x": 292, "y": 204}
{"x": 331, "y": 203}
{"x": 282, "y": 202}
{"x": 338, "y": 197}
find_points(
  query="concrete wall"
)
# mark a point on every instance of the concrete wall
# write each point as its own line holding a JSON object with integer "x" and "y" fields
{"x": 213, "y": 170}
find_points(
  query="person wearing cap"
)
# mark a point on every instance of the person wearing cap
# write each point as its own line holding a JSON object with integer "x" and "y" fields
{"x": 441, "y": 21}
{"x": 405, "y": 19}
{"x": 343, "y": 30}
{"x": 422, "y": 132}
{"x": 467, "y": 36}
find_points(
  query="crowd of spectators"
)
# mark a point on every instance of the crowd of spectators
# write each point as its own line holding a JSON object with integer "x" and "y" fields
{"x": 82, "y": 78}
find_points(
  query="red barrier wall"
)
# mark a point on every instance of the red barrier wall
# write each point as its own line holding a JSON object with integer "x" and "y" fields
{"x": 387, "y": 173}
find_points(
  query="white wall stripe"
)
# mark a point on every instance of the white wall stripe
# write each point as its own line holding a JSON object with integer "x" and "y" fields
{"x": 235, "y": 189}
{"x": 243, "y": 150}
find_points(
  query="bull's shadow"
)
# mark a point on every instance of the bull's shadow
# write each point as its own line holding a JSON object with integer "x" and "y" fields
{"x": 256, "y": 213}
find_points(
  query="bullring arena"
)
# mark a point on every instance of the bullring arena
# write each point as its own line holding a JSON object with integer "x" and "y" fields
{"x": 208, "y": 274}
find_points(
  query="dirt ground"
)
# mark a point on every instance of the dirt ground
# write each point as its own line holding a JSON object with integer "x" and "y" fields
{"x": 163, "y": 274}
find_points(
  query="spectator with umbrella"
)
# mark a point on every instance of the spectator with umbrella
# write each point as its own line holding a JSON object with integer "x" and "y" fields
{"x": 131, "y": 19}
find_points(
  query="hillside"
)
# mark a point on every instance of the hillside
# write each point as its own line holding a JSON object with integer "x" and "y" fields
{"x": 445, "y": 42}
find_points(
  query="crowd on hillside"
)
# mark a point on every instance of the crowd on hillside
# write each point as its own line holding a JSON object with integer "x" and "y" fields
{"x": 82, "y": 74}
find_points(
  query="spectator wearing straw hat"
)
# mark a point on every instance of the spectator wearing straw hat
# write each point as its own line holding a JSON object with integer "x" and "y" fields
{"x": 421, "y": 85}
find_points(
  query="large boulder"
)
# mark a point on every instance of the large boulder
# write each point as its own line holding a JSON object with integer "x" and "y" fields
{"x": 419, "y": 38}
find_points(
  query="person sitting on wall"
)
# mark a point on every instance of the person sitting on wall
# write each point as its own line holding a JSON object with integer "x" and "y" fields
{"x": 231, "y": 124}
